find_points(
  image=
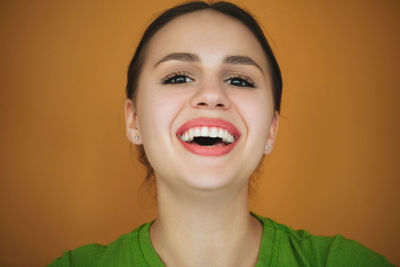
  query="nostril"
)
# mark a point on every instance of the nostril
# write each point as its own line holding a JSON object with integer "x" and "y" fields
{"x": 205, "y": 104}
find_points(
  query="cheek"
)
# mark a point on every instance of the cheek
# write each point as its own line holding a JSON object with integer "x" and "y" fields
{"x": 157, "y": 109}
{"x": 257, "y": 111}
{"x": 156, "y": 112}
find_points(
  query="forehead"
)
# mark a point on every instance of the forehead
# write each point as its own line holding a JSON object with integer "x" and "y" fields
{"x": 209, "y": 34}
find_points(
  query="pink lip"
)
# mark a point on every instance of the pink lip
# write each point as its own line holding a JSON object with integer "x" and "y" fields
{"x": 209, "y": 150}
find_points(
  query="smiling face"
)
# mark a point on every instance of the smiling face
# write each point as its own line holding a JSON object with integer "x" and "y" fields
{"x": 204, "y": 74}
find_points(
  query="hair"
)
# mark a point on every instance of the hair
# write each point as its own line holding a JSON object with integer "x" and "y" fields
{"x": 223, "y": 7}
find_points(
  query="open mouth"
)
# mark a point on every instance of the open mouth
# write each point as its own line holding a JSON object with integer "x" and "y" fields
{"x": 208, "y": 141}
{"x": 208, "y": 136}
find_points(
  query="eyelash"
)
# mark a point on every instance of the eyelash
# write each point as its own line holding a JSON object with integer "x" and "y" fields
{"x": 175, "y": 75}
{"x": 247, "y": 81}
{"x": 172, "y": 79}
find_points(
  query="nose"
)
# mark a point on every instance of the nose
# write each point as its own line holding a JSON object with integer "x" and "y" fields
{"x": 210, "y": 96}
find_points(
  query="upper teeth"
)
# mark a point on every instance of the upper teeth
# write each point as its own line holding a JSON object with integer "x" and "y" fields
{"x": 188, "y": 135}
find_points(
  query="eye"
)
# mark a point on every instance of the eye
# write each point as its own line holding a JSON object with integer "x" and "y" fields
{"x": 177, "y": 78}
{"x": 240, "y": 81}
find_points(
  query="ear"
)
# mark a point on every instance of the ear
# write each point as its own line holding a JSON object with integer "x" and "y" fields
{"x": 273, "y": 129}
{"x": 132, "y": 123}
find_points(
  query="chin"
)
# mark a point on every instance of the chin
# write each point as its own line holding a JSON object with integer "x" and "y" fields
{"x": 212, "y": 181}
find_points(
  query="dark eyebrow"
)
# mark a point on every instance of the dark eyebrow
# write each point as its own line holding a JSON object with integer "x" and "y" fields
{"x": 241, "y": 60}
{"x": 179, "y": 56}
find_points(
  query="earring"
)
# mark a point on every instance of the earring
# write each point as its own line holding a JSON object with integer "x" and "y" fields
{"x": 266, "y": 146}
{"x": 136, "y": 137}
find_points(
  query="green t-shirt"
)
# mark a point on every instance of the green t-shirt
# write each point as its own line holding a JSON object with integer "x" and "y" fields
{"x": 280, "y": 246}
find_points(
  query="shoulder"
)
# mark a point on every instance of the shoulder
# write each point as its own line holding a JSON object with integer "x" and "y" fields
{"x": 301, "y": 248}
{"x": 346, "y": 252}
{"x": 124, "y": 251}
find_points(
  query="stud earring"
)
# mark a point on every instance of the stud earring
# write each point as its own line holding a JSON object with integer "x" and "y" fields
{"x": 136, "y": 137}
{"x": 266, "y": 146}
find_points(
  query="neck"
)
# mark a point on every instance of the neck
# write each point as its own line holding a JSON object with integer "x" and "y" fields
{"x": 205, "y": 228}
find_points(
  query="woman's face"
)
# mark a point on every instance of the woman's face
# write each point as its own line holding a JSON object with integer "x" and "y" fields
{"x": 204, "y": 74}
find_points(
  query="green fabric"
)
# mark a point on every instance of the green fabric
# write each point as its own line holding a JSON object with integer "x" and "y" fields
{"x": 280, "y": 246}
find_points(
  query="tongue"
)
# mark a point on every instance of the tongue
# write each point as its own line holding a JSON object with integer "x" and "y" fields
{"x": 217, "y": 144}
{"x": 208, "y": 141}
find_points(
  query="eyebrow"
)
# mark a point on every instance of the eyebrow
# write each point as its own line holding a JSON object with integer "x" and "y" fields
{"x": 179, "y": 56}
{"x": 245, "y": 60}
{"x": 189, "y": 57}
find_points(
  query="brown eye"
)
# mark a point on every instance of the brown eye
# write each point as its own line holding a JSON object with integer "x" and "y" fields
{"x": 177, "y": 79}
{"x": 240, "y": 82}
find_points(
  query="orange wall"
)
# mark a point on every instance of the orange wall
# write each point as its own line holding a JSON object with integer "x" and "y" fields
{"x": 68, "y": 177}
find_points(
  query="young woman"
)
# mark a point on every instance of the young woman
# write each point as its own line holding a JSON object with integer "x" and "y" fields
{"x": 204, "y": 93}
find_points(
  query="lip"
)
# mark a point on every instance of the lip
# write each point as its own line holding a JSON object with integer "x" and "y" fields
{"x": 209, "y": 150}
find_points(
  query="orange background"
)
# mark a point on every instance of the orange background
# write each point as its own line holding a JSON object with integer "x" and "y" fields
{"x": 69, "y": 177}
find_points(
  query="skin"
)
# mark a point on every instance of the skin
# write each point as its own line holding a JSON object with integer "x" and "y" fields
{"x": 203, "y": 216}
